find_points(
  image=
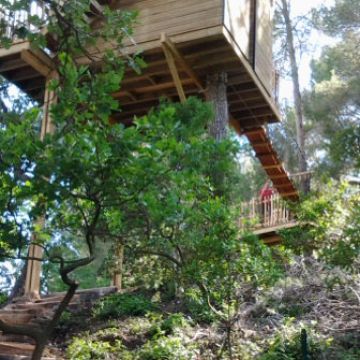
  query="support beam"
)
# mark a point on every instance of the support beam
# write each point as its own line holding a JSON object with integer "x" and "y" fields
{"x": 173, "y": 70}
{"x": 33, "y": 271}
{"x": 166, "y": 42}
{"x": 118, "y": 273}
{"x": 38, "y": 60}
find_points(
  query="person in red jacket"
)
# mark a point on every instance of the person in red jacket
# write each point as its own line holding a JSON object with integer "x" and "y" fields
{"x": 266, "y": 193}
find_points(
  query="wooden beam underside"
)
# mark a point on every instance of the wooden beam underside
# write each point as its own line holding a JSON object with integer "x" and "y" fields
{"x": 139, "y": 93}
{"x": 26, "y": 68}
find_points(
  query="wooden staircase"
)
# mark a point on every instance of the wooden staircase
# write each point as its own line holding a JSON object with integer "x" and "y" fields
{"x": 271, "y": 163}
{"x": 38, "y": 313}
{"x": 276, "y": 215}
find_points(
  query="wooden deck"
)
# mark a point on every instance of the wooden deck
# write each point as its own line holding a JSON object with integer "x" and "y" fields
{"x": 266, "y": 217}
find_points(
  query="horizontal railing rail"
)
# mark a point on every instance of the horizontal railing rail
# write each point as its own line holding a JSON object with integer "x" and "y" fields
{"x": 264, "y": 213}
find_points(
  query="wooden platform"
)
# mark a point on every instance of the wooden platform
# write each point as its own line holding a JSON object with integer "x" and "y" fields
{"x": 272, "y": 229}
{"x": 26, "y": 68}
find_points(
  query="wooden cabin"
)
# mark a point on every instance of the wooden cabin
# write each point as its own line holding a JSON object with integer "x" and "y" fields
{"x": 182, "y": 42}
{"x": 209, "y": 35}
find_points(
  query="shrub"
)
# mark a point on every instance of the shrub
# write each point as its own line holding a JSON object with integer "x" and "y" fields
{"x": 3, "y": 298}
{"x": 172, "y": 322}
{"x": 86, "y": 349}
{"x": 166, "y": 348}
{"x": 120, "y": 305}
{"x": 289, "y": 348}
{"x": 198, "y": 308}
{"x": 167, "y": 326}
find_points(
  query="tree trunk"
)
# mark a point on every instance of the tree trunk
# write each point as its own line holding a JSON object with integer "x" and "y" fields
{"x": 299, "y": 114}
{"x": 217, "y": 95}
{"x": 18, "y": 289}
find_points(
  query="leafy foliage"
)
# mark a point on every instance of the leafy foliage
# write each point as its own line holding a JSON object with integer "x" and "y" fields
{"x": 332, "y": 104}
{"x": 3, "y": 298}
{"x": 166, "y": 348}
{"x": 168, "y": 325}
{"x": 330, "y": 226}
{"x": 290, "y": 348}
{"x": 85, "y": 348}
{"x": 119, "y": 305}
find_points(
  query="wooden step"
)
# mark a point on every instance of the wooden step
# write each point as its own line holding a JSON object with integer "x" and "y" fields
{"x": 16, "y": 338}
{"x": 14, "y": 348}
{"x": 52, "y": 305}
{"x": 21, "y": 311}
{"x": 16, "y": 319}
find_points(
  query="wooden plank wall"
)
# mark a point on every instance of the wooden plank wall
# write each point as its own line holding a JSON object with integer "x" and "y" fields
{"x": 263, "y": 44}
{"x": 237, "y": 20}
{"x": 172, "y": 16}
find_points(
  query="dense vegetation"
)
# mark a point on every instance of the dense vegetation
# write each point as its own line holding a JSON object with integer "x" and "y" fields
{"x": 168, "y": 194}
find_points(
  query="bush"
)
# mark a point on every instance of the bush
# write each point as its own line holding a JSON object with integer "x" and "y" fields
{"x": 86, "y": 349}
{"x": 120, "y": 305}
{"x": 166, "y": 348}
{"x": 290, "y": 348}
{"x": 167, "y": 326}
{"x": 3, "y": 298}
{"x": 172, "y": 322}
{"x": 198, "y": 308}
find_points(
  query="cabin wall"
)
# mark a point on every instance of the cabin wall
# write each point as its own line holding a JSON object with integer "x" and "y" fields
{"x": 248, "y": 21}
{"x": 263, "y": 44}
{"x": 173, "y": 16}
{"x": 250, "y": 24}
{"x": 237, "y": 20}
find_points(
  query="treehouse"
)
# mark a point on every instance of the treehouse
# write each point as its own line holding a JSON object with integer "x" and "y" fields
{"x": 183, "y": 43}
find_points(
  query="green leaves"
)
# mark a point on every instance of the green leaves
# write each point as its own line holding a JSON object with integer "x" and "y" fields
{"x": 330, "y": 222}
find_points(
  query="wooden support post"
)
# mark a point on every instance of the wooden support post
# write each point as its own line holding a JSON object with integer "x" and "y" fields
{"x": 170, "y": 46}
{"x": 33, "y": 271}
{"x": 217, "y": 95}
{"x": 118, "y": 273}
{"x": 173, "y": 70}
{"x": 173, "y": 55}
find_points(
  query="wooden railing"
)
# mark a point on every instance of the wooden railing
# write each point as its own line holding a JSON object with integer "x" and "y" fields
{"x": 265, "y": 213}
{"x": 13, "y": 23}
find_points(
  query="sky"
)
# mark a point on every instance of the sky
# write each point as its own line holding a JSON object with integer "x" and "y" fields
{"x": 316, "y": 42}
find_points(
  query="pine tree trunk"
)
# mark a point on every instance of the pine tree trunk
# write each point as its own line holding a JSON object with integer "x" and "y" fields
{"x": 217, "y": 95}
{"x": 300, "y": 132}
{"x": 218, "y": 128}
